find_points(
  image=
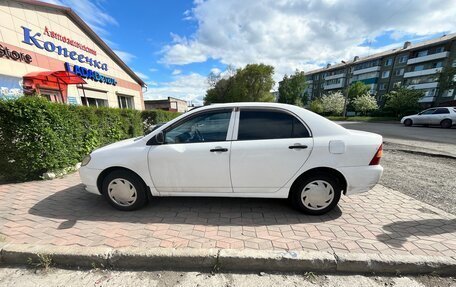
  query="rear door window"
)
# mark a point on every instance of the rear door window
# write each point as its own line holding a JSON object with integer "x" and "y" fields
{"x": 440, "y": 111}
{"x": 264, "y": 124}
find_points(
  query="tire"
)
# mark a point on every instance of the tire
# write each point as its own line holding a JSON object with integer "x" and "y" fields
{"x": 446, "y": 124}
{"x": 124, "y": 190}
{"x": 314, "y": 183}
{"x": 408, "y": 123}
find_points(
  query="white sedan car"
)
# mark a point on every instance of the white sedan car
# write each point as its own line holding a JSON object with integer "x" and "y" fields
{"x": 443, "y": 116}
{"x": 263, "y": 150}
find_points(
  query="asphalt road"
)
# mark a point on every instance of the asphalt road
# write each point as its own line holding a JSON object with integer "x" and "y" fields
{"x": 398, "y": 131}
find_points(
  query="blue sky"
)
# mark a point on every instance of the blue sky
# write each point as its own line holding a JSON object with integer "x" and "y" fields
{"x": 174, "y": 44}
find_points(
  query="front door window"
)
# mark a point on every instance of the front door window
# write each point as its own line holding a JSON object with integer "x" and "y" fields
{"x": 207, "y": 127}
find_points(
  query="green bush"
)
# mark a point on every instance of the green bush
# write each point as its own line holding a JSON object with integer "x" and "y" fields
{"x": 37, "y": 136}
{"x": 153, "y": 117}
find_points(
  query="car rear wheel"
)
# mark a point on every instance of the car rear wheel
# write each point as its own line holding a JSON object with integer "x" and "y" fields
{"x": 124, "y": 190}
{"x": 316, "y": 194}
{"x": 446, "y": 124}
{"x": 408, "y": 122}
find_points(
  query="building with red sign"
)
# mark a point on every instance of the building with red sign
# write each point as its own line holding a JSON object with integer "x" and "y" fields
{"x": 49, "y": 50}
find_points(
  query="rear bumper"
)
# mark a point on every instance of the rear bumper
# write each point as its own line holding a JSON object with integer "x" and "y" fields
{"x": 361, "y": 178}
{"x": 89, "y": 178}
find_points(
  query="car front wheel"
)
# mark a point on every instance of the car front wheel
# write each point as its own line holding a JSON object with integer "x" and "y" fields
{"x": 316, "y": 194}
{"x": 408, "y": 122}
{"x": 124, "y": 190}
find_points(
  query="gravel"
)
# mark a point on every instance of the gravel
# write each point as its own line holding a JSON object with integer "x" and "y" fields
{"x": 427, "y": 178}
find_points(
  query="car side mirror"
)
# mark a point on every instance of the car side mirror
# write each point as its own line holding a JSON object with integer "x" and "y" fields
{"x": 160, "y": 138}
{"x": 157, "y": 139}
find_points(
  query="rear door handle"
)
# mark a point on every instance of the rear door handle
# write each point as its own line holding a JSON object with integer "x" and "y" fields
{"x": 297, "y": 147}
{"x": 219, "y": 149}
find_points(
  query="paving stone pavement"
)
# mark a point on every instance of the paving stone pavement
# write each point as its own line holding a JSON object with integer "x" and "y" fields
{"x": 60, "y": 212}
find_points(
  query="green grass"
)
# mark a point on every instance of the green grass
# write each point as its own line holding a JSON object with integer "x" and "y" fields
{"x": 363, "y": 119}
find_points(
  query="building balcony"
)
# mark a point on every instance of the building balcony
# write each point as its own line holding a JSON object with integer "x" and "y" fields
{"x": 333, "y": 86}
{"x": 424, "y": 86}
{"x": 428, "y": 58}
{"x": 366, "y": 70}
{"x": 332, "y": 77}
{"x": 426, "y": 99}
{"x": 422, "y": 73}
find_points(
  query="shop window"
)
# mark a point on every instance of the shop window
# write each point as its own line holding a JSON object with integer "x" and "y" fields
{"x": 51, "y": 95}
{"x": 125, "y": 102}
{"x": 92, "y": 102}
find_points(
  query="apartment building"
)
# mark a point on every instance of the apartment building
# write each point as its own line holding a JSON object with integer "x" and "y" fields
{"x": 416, "y": 66}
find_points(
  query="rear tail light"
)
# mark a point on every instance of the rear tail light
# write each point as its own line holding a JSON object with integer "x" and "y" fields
{"x": 378, "y": 155}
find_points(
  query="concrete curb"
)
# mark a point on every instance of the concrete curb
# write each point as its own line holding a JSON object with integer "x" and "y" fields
{"x": 225, "y": 260}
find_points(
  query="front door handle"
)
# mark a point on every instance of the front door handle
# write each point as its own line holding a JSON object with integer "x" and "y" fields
{"x": 297, "y": 147}
{"x": 219, "y": 149}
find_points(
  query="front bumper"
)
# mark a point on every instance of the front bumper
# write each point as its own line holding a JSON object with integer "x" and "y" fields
{"x": 89, "y": 178}
{"x": 361, "y": 178}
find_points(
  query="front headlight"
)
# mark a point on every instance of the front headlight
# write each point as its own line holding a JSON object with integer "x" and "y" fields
{"x": 86, "y": 160}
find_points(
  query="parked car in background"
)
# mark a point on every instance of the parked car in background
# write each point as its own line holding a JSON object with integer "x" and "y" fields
{"x": 443, "y": 116}
{"x": 259, "y": 150}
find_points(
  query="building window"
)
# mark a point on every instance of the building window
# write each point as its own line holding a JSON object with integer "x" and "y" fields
{"x": 422, "y": 53}
{"x": 454, "y": 64}
{"x": 437, "y": 65}
{"x": 418, "y": 68}
{"x": 125, "y": 102}
{"x": 382, "y": 87}
{"x": 439, "y": 50}
{"x": 403, "y": 59}
{"x": 389, "y": 62}
{"x": 316, "y": 77}
{"x": 399, "y": 72}
{"x": 385, "y": 74}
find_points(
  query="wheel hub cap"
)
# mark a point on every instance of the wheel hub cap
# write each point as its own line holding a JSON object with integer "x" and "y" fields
{"x": 122, "y": 192}
{"x": 317, "y": 195}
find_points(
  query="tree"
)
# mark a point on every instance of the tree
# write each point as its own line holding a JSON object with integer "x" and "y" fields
{"x": 447, "y": 79}
{"x": 357, "y": 89}
{"x": 316, "y": 106}
{"x": 364, "y": 103}
{"x": 252, "y": 83}
{"x": 292, "y": 89}
{"x": 403, "y": 101}
{"x": 333, "y": 103}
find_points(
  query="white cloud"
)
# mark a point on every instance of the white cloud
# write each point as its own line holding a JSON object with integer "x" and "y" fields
{"x": 291, "y": 34}
{"x": 153, "y": 70}
{"x": 92, "y": 12}
{"x": 141, "y": 75}
{"x": 216, "y": 71}
{"x": 125, "y": 56}
{"x": 191, "y": 88}
{"x": 176, "y": 72}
